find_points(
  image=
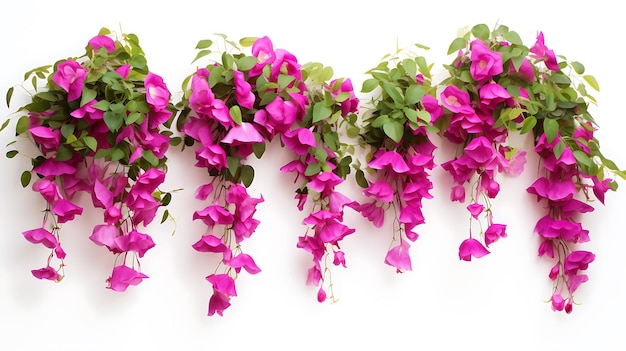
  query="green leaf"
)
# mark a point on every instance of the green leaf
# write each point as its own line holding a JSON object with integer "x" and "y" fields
{"x": 320, "y": 112}
{"x": 87, "y": 96}
{"x": 258, "y": 149}
{"x": 410, "y": 114}
{"x": 360, "y": 179}
{"x": 414, "y": 94}
{"x": 5, "y": 124}
{"x": 233, "y": 164}
{"x": 117, "y": 154}
{"x": 113, "y": 120}
{"x": 67, "y": 130}
{"x": 246, "y": 63}
{"x": 343, "y": 96}
{"x": 11, "y": 153}
{"x": 591, "y": 80}
{"x": 25, "y": 178}
{"x": 550, "y": 128}
{"x": 331, "y": 140}
{"x": 166, "y": 215}
{"x": 380, "y": 121}
{"x": 578, "y": 67}
{"x": 91, "y": 143}
{"x": 235, "y": 114}
{"x": 423, "y": 66}
{"x": 139, "y": 62}
{"x": 247, "y": 41}
{"x": 22, "y": 125}
{"x": 312, "y": 169}
{"x": 284, "y": 80}
{"x": 64, "y": 153}
{"x": 102, "y": 105}
{"x": 133, "y": 117}
{"x": 247, "y": 175}
{"x": 394, "y": 130}
{"x": 9, "y": 95}
{"x": 203, "y": 44}
{"x": 609, "y": 163}
{"x": 149, "y": 156}
{"x": 201, "y": 54}
{"x": 582, "y": 158}
{"x": 353, "y": 132}
{"x": 528, "y": 124}
{"x": 456, "y": 45}
{"x": 558, "y": 149}
{"x": 424, "y": 116}
{"x": 369, "y": 85}
{"x": 513, "y": 38}
{"x": 393, "y": 92}
{"x": 481, "y": 31}
{"x": 410, "y": 66}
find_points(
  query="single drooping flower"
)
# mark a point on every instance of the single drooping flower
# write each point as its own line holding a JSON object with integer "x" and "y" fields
{"x": 124, "y": 276}
{"x": 101, "y": 130}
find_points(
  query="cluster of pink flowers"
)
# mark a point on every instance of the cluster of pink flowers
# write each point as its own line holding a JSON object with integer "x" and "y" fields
{"x": 270, "y": 98}
{"x": 100, "y": 128}
{"x": 564, "y": 180}
{"x": 402, "y": 183}
{"x": 560, "y": 228}
{"x": 123, "y": 191}
{"x": 472, "y": 114}
{"x": 401, "y": 165}
{"x": 325, "y": 227}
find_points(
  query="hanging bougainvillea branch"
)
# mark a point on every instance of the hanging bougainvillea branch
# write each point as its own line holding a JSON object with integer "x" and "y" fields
{"x": 99, "y": 124}
{"x": 497, "y": 86}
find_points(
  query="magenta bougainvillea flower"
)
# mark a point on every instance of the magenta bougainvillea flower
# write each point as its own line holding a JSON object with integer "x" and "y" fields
{"x": 70, "y": 76}
{"x": 102, "y": 41}
{"x": 124, "y": 276}
{"x": 484, "y": 63}
{"x": 472, "y": 248}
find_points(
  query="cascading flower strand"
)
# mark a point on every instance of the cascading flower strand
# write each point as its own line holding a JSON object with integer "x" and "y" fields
{"x": 396, "y": 127}
{"x": 497, "y": 86}
{"x": 483, "y": 98}
{"x": 100, "y": 126}
{"x": 574, "y": 171}
{"x": 321, "y": 165}
{"x": 231, "y": 109}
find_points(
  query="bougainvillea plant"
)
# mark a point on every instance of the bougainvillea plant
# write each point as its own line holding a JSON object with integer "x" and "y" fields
{"x": 396, "y": 129}
{"x": 321, "y": 164}
{"x": 224, "y": 115}
{"x": 233, "y": 108}
{"x": 482, "y": 103}
{"x": 498, "y": 86}
{"x": 99, "y": 125}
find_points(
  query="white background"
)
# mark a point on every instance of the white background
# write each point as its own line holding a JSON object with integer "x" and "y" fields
{"x": 496, "y": 303}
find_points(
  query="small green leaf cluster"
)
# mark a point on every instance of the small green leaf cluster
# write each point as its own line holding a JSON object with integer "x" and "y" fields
{"x": 326, "y": 120}
{"x": 403, "y": 82}
{"x": 397, "y": 84}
